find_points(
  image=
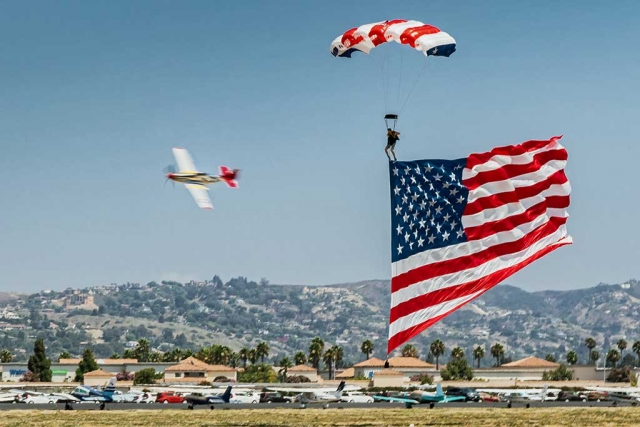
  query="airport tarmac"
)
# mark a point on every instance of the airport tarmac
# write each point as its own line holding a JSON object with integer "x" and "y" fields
{"x": 461, "y": 405}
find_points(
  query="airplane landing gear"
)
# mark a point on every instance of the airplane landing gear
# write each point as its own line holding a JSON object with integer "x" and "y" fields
{"x": 212, "y": 407}
{"x": 102, "y": 406}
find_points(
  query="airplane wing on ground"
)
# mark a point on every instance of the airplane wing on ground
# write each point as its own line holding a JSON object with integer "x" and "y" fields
{"x": 394, "y": 399}
{"x": 184, "y": 161}
{"x": 200, "y": 195}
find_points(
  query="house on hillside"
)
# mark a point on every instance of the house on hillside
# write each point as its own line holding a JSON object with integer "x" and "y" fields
{"x": 194, "y": 371}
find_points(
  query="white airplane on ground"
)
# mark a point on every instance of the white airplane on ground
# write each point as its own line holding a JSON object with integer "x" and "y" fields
{"x": 624, "y": 394}
{"x": 524, "y": 395}
{"x": 315, "y": 395}
{"x": 197, "y": 182}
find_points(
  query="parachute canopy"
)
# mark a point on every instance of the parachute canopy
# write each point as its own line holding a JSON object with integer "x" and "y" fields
{"x": 418, "y": 35}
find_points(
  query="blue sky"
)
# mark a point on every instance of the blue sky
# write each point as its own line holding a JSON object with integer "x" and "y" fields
{"x": 95, "y": 94}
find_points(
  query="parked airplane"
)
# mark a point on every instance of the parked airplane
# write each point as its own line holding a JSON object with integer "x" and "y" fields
{"x": 620, "y": 394}
{"x": 90, "y": 394}
{"x": 201, "y": 398}
{"x": 524, "y": 395}
{"x": 315, "y": 395}
{"x": 435, "y": 397}
{"x": 197, "y": 182}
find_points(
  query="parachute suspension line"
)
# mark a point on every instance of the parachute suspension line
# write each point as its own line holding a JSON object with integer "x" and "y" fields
{"x": 399, "y": 78}
{"x": 424, "y": 67}
{"x": 380, "y": 67}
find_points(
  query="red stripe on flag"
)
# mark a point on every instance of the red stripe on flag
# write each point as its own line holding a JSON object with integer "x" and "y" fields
{"x": 496, "y": 200}
{"x": 510, "y": 150}
{"x": 489, "y": 228}
{"x": 429, "y": 271}
{"x": 488, "y": 282}
{"x": 511, "y": 170}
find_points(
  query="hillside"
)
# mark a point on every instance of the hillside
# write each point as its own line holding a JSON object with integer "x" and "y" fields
{"x": 241, "y": 313}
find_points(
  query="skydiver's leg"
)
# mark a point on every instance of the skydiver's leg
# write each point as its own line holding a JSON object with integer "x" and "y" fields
{"x": 393, "y": 152}
{"x": 386, "y": 151}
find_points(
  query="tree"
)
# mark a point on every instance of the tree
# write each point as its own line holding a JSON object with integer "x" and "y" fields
{"x": 39, "y": 364}
{"x": 315, "y": 351}
{"x": 636, "y": 349}
{"x": 622, "y": 345}
{"x": 257, "y": 373}
{"x": 142, "y": 350}
{"x": 367, "y": 348}
{"x": 457, "y": 369}
{"x": 550, "y": 358}
{"x": 478, "y": 354}
{"x": 87, "y": 364}
{"x": 590, "y": 343}
{"x": 64, "y": 355}
{"x": 457, "y": 353}
{"x": 572, "y": 357}
{"x": 5, "y": 356}
{"x": 620, "y": 375}
{"x": 409, "y": 351}
{"x": 285, "y": 364}
{"x": 497, "y": 351}
{"x": 561, "y": 373}
{"x": 300, "y": 358}
{"x": 613, "y": 357}
{"x": 262, "y": 351}
{"x": 331, "y": 356}
{"x": 115, "y": 356}
{"x": 437, "y": 349}
{"x": 595, "y": 355}
{"x": 253, "y": 356}
{"x": 244, "y": 355}
{"x": 145, "y": 376}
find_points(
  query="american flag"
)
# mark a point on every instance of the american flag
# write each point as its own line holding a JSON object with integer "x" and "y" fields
{"x": 460, "y": 227}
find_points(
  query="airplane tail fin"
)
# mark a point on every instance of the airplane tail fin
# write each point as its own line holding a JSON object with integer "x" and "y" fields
{"x": 229, "y": 176}
{"x": 226, "y": 396}
{"x": 340, "y": 389}
{"x": 439, "y": 391}
{"x": 111, "y": 385}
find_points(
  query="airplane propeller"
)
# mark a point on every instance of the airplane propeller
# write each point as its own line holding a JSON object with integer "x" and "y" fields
{"x": 167, "y": 170}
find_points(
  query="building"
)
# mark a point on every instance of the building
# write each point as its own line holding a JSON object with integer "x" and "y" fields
{"x": 304, "y": 371}
{"x": 528, "y": 369}
{"x": 388, "y": 378}
{"x": 409, "y": 366}
{"x": 97, "y": 378}
{"x": 192, "y": 370}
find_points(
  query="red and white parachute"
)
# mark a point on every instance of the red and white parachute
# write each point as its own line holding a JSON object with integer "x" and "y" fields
{"x": 429, "y": 40}
{"x": 420, "y": 36}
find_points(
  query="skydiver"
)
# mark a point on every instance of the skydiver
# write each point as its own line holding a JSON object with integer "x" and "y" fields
{"x": 392, "y": 137}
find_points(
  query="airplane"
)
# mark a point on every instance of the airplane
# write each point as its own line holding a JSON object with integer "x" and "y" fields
{"x": 408, "y": 402}
{"x": 314, "y": 395}
{"x": 200, "y": 398}
{"x": 620, "y": 394}
{"x": 524, "y": 395}
{"x": 90, "y": 394}
{"x": 197, "y": 182}
{"x": 435, "y": 397}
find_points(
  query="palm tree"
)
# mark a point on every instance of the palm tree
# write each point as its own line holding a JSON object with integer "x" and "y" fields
{"x": 622, "y": 345}
{"x": 5, "y": 356}
{"x": 550, "y": 358}
{"x": 590, "y": 343}
{"x": 315, "y": 351}
{"x": 409, "y": 351}
{"x": 262, "y": 350}
{"x": 497, "y": 351}
{"x": 142, "y": 350}
{"x": 595, "y": 355}
{"x": 636, "y": 349}
{"x": 437, "y": 349}
{"x": 457, "y": 353}
{"x": 155, "y": 357}
{"x": 572, "y": 357}
{"x": 113, "y": 356}
{"x": 244, "y": 355}
{"x": 331, "y": 357}
{"x": 233, "y": 359}
{"x": 300, "y": 358}
{"x": 613, "y": 357}
{"x": 478, "y": 354}
{"x": 253, "y": 356}
{"x": 285, "y": 364}
{"x": 367, "y": 348}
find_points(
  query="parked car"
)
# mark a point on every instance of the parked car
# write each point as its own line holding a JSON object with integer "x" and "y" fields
{"x": 572, "y": 396}
{"x": 244, "y": 397}
{"x": 145, "y": 398}
{"x": 38, "y": 399}
{"x": 356, "y": 397}
{"x": 487, "y": 397}
{"x": 470, "y": 394}
{"x": 274, "y": 397}
{"x": 597, "y": 396}
{"x": 169, "y": 397}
